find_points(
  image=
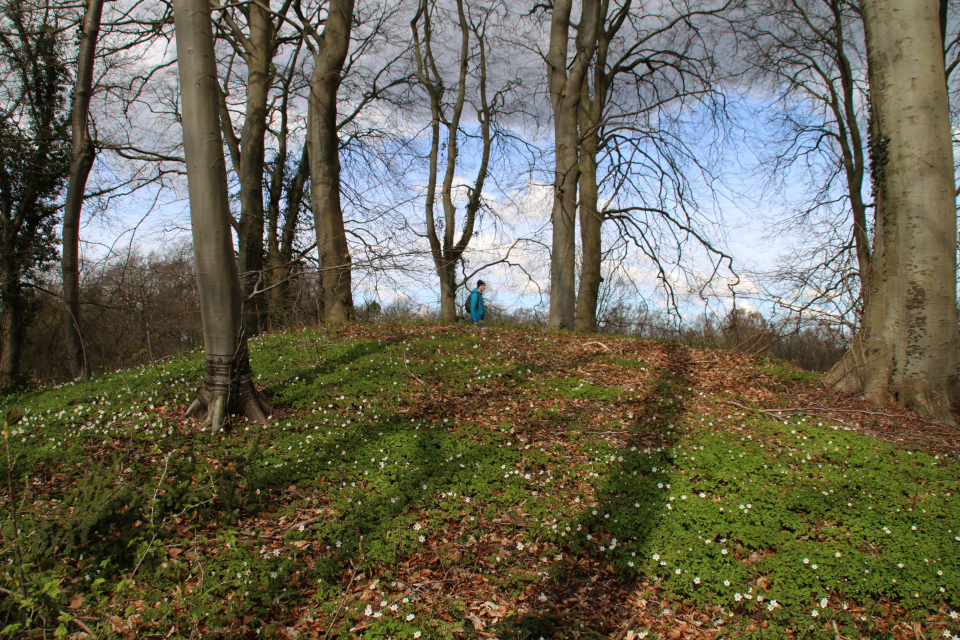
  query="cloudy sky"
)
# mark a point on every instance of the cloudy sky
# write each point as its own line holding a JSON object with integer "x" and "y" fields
{"x": 726, "y": 189}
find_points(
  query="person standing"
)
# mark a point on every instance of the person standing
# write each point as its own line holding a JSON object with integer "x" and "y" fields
{"x": 475, "y": 305}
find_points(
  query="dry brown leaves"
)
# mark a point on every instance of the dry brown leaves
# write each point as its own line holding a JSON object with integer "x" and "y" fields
{"x": 586, "y": 590}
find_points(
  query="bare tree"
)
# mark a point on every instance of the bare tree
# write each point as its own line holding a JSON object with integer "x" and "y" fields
{"x": 285, "y": 202}
{"x": 811, "y": 54}
{"x": 907, "y": 348}
{"x": 446, "y": 130}
{"x": 646, "y": 68}
{"x": 253, "y": 30}
{"x": 81, "y": 161}
{"x": 329, "y": 49}
{"x": 227, "y": 386}
{"x": 566, "y": 79}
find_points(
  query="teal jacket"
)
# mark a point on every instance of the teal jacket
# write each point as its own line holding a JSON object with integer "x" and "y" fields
{"x": 476, "y": 306}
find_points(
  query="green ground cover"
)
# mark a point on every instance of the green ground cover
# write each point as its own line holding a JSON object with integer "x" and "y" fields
{"x": 428, "y": 482}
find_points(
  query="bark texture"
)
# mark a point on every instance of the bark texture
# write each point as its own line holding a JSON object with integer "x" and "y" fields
{"x": 330, "y": 52}
{"x": 258, "y": 55}
{"x": 227, "y": 386}
{"x": 591, "y": 220}
{"x": 81, "y": 161}
{"x": 11, "y": 323}
{"x": 907, "y": 349}
{"x": 565, "y": 87}
{"x": 593, "y": 99}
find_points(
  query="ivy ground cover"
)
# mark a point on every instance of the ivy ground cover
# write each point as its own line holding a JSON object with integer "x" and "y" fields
{"x": 419, "y": 481}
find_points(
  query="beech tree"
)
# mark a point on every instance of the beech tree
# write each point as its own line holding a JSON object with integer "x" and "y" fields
{"x": 647, "y": 67}
{"x": 253, "y": 31}
{"x": 811, "y": 54}
{"x": 227, "y": 386}
{"x": 82, "y": 155}
{"x": 907, "y": 348}
{"x": 566, "y": 78}
{"x": 329, "y": 49}
{"x": 446, "y": 132}
{"x": 284, "y": 204}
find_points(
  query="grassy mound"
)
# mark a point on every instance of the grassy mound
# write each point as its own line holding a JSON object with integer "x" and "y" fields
{"x": 439, "y": 482}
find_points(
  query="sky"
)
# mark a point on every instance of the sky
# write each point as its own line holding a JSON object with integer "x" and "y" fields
{"x": 733, "y": 205}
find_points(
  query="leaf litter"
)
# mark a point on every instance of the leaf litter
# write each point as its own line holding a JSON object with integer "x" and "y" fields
{"x": 463, "y": 568}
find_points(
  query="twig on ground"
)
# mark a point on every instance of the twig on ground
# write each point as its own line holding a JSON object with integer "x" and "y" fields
{"x": 819, "y": 411}
{"x": 248, "y": 534}
{"x": 587, "y": 344}
{"x": 631, "y": 623}
{"x": 422, "y": 383}
{"x": 304, "y": 523}
{"x": 775, "y": 412}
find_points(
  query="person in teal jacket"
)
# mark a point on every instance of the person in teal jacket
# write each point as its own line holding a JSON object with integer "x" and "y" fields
{"x": 475, "y": 305}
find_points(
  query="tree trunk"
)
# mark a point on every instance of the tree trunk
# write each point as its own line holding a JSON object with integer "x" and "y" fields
{"x": 448, "y": 251}
{"x": 227, "y": 386}
{"x": 12, "y": 326}
{"x": 335, "y": 295}
{"x": 81, "y": 161}
{"x": 448, "y": 293}
{"x": 563, "y": 219}
{"x": 565, "y": 90}
{"x": 590, "y": 225}
{"x": 590, "y": 118}
{"x": 259, "y": 58}
{"x": 281, "y": 231}
{"x": 280, "y": 240}
{"x": 907, "y": 349}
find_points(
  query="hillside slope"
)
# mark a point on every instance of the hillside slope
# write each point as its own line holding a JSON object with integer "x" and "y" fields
{"x": 421, "y": 481}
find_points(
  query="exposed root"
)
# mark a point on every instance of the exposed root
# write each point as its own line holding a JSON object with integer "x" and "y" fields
{"x": 228, "y": 390}
{"x": 847, "y": 374}
{"x": 929, "y": 400}
{"x": 874, "y": 374}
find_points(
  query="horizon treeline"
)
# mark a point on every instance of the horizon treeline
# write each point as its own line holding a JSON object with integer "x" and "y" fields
{"x": 144, "y": 308}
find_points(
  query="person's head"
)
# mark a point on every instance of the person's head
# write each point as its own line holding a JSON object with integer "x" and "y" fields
{"x": 481, "y": 285}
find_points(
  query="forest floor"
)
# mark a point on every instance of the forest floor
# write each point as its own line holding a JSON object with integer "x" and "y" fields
{"x": 420, "y": 481}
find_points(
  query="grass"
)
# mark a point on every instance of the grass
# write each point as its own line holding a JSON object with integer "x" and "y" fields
{"x": 433, "y": 482}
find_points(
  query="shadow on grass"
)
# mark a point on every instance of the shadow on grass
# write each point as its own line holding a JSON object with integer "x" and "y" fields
{"x": 629, "y": 509}
{"x": 367, "y": 480}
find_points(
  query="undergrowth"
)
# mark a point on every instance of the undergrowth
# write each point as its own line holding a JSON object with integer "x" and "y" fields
{"x": 430, "y": 482}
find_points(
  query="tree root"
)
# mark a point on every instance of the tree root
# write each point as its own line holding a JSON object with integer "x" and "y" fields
{"x": 228, "y": 390}
{"x": 876, "y": 374}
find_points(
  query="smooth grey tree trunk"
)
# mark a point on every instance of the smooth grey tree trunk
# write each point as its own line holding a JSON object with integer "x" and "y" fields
{"x": 227, "y": 386}
{"x": 907, "y": 348}
{"x": 335, "y": 297}
{"x": 591, "y": 221}
{"x": 81, "y": 161}
{"x": 589, "y": 121}
{"x": 565, "y": 88}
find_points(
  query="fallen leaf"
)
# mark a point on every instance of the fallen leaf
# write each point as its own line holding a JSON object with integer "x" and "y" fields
{"x": 475, "y": 621}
